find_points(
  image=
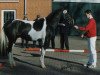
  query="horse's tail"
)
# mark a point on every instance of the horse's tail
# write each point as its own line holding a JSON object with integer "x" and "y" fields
{"x": 3, "y": 42}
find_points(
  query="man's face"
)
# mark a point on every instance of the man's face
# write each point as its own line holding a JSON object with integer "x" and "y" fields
{"x": 65, "y": 12}
{"x": 88, "y": 15}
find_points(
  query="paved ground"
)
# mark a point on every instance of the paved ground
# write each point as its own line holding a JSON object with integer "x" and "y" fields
{"x": 57, "y": 63}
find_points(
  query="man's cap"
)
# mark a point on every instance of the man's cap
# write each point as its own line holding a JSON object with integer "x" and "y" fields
{"x": 65, "y": 11}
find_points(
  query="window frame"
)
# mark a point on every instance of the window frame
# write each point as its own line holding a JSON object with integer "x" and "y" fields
{"x": 9, "y": 0}
{"x": 2, "y": 16}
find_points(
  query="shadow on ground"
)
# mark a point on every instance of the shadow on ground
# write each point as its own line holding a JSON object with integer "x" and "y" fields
{"x": 27, "y": 68}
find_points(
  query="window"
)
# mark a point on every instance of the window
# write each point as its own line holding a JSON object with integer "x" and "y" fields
{"x": 7, "y": 15}
{"x": 89, "y": 1}
{"x": 9, "y": 0}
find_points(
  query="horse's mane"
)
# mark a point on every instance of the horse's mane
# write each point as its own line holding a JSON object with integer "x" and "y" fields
{"x": 54, "y": 13}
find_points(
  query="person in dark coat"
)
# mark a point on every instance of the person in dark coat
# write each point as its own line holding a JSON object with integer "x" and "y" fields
{"x": 65, "y": 24}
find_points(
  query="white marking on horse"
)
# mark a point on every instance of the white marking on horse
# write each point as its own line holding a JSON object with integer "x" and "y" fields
{"x": 35, "y": 35}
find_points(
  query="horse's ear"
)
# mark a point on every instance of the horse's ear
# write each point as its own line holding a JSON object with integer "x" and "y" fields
{"x": 64, "y": 7}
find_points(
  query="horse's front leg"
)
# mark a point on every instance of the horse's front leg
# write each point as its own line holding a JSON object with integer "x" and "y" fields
{"x": 43, "y": 51}
{"x": 22, "y": 43}
{"x": 26, "y": 44}
{"x": 42, "y": 57}
{"x": 10, "y": 55}
{"x": 53, "y": 42}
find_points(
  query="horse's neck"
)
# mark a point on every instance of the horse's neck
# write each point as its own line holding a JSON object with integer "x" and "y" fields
{"x": 44, "y": 23}
{"x": 53, "y": 21}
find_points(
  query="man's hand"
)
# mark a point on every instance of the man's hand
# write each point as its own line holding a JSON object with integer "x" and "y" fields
{"x": 61, "y": 24}
{"x": 82, "y": 36}
{"x": 76, "y": 27}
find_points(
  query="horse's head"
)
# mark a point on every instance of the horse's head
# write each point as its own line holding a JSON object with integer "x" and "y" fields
{"x": 54, "y": 17}
{"x": 66, "y": 21}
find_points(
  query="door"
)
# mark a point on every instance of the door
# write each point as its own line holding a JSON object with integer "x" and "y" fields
{"x": 7, "y": 15}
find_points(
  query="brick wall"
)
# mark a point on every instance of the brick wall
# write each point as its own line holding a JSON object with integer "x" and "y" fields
{"x": 18, "y": 6}
{"x": 34, "y": 8}
{"x": 38, "y": 7}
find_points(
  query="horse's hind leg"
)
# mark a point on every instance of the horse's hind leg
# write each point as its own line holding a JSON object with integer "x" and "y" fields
{"x": 22, "y": 43}
{"x": 34, "y": 43}
{"x": 26, "y": 44}
{"x": 10, "y": 54}
{"x": 40, "y": 43}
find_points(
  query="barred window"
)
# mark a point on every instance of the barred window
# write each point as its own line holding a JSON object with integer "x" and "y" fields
{"x": 9, "y": 0}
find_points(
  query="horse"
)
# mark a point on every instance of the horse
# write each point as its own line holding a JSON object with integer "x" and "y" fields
{"x": 34, "y": 41}
{"x": 70, "y": 23}
{"x": 40, "y": 29}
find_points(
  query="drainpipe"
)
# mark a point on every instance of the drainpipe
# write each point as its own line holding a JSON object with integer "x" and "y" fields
{"x": 25, "y": 11}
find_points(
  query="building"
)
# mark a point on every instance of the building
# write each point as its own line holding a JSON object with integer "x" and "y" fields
{"x": 18, "y": 9}
{"x": 76, "y": 9}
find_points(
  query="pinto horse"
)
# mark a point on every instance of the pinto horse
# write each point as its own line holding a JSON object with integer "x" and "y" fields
{"x": 34, "y": 41}
{"x": 40, "y": 29}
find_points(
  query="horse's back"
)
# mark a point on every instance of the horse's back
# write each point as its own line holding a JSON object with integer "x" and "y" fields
{"x": 28, "y": 22}
{"x": 17, "y": 28}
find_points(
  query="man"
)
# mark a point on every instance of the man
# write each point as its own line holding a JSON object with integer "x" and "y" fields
{"x": 65, "y": 25}
{"x": 90, "y": 29}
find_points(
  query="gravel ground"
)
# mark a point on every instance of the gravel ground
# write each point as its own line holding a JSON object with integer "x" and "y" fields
{"x": 57, "y": 63}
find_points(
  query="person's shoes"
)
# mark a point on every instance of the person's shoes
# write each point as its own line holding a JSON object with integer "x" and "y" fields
{"x": 91, "y": 66}
{"x": 88, "y": 65}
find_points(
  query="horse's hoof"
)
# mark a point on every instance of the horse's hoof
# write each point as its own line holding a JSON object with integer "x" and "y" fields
{"x": 43, "y": 66}
{"x": 13, "y": 65}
